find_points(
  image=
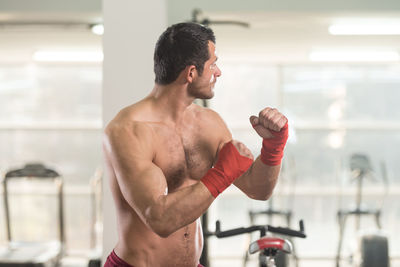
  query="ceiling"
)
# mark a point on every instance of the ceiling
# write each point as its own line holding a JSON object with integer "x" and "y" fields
{"x": 290, "y": 36}
{"x": 30, "y": 25}
{"x": 279, "y": 32}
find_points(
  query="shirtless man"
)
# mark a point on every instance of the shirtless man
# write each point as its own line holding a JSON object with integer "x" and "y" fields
{"x": 168, "y": 158}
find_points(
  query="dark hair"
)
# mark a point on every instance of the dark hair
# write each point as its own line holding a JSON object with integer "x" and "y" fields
{"x": 181, "y": 45}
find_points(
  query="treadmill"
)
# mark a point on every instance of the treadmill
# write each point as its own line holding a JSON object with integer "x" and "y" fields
{"x": 33, "y": 254}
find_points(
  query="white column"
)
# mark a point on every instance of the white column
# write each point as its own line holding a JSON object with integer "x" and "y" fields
{"x": 131, "y": 31}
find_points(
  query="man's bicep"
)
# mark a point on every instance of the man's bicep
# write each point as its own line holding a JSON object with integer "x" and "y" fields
{"x": 142, "y": 185}
{"x": 140, "y": 181}
{"x": 224, "y": 134}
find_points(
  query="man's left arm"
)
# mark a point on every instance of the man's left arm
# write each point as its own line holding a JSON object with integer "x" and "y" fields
{"x": 260, "y": 180}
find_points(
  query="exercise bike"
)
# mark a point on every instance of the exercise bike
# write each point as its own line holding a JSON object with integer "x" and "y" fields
{"x": 287, "y": 175}
{"x": 373, "y": 248}
{"x": 266, "y": 246}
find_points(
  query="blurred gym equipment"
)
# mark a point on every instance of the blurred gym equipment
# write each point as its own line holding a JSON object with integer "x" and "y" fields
{"x": 373, "y": 248}
{"x": 33, "y": 254}
{"x": 287, "y": 175}
{"x": 267, "y": 246}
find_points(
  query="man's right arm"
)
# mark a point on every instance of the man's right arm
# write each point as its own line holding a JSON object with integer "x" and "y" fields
{"x": 130, "y": 150}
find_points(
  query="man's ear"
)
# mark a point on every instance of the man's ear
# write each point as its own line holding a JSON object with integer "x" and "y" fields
{"x": 190, "y": 73}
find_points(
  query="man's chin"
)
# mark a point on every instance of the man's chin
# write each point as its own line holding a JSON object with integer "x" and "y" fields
{"x": 206, "y": 94}
{"x": 210, "y": 95}
{"x": 205, "y": 97}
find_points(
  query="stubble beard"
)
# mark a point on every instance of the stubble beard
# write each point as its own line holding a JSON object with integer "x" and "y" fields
{"x": 196, "y": 92}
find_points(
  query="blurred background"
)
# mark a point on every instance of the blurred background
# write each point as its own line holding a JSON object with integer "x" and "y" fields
{"x": 333, "y": 68}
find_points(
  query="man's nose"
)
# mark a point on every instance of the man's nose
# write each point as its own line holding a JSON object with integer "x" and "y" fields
{"x": 217, "y": 72}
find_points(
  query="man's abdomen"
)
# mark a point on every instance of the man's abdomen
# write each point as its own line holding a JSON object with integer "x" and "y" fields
{"x": 141, "y": 247}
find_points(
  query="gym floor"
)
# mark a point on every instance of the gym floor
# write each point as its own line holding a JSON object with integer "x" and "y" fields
{"x": 82, "y": 262}
{"x": 303, "y": 263}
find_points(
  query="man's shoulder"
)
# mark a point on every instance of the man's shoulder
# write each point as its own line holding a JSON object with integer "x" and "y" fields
{"x": 133, "y": 115}
{"x": 208, "y": 115}
{"x": 211, "y": 123}
{"x": 137, "y": 112}
{"x": 122, "y": 135}
{"x": 119, "y": 125}
{"x": 128, "y": 123}
{"x": 205, "y": 112}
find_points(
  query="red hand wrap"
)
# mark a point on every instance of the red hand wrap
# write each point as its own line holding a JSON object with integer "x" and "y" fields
{"x": 228, "y": 168}
{"x": 272, "y": 148}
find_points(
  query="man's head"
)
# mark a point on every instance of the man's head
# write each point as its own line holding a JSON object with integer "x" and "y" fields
{"x": 181, "y": 45}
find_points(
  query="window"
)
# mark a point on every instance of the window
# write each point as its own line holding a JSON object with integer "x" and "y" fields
{"x": 334, "y": 111}
{"x": 51, "y": 113}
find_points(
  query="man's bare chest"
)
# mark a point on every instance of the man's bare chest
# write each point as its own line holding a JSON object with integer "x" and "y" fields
{"x": 183, "y": 155}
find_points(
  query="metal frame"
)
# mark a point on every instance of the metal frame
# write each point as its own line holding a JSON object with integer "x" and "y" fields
{"x": 35, "y": 171}
{"x": 360, "y": 167}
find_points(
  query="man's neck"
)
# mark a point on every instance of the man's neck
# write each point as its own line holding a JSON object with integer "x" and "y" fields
{"x": 172, "y": 99}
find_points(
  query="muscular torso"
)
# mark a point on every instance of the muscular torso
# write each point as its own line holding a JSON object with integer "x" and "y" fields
{"x": 184, "y": 153}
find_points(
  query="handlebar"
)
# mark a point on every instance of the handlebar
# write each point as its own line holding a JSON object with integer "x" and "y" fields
{"x": 262, "y": 228}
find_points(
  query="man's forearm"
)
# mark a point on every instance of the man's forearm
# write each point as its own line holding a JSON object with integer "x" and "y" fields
{"x": 178, "y": 209}
{"x": 259, "y": 181}
{"x": 182, "y": 207}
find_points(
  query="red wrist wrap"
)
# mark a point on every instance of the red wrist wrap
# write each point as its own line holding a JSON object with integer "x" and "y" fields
{"x": 272, "y": 148}
{"x": 228, "y": 168}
